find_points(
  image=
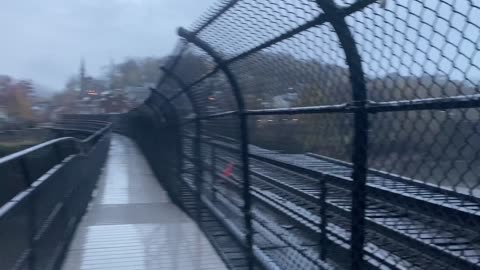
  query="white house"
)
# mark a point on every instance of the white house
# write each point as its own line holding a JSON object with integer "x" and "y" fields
{"x": 284, "y": 100}
{"x": 3, "y": 114}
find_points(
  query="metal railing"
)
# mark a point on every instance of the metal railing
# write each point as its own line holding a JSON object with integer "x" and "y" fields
{"x": 324, "y": 134}
{"x": 45, "y": 191}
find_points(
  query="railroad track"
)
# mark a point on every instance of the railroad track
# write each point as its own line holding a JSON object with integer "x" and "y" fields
{"x": 404, "y": 236}
{"x": 270, "y": 224}
{"x": 379, "y": 251}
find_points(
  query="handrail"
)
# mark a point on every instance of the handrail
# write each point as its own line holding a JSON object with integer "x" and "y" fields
{"x": 34, "y": 148}
{"x": 45, "y": 197}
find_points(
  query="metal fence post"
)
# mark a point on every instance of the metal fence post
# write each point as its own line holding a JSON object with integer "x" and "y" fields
{"x": 244, "y": 140}
{"x": 180, "y": 155}
{"x": 58, "y": 152}
{"x": 179, "y": 143}
{"x": 197, "y": 143}
{"x": 323, "y": 219}
{"x": 360, "y": 133}
{"x": 199, "y": 168}
{"x": 31, "y": 215}
{"x": 213, "y": 172}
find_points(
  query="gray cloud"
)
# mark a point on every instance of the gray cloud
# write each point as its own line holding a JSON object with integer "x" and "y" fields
{"x": 44, "y": 40}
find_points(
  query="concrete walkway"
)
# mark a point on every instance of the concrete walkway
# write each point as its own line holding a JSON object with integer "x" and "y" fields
{"x": 132, "y": 225}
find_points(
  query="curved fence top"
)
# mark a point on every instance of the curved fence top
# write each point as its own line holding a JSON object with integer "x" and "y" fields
{"x": 399, "y": 50}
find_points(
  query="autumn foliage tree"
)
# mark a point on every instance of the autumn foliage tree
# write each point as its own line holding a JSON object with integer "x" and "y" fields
{"x": 15, "y": 97}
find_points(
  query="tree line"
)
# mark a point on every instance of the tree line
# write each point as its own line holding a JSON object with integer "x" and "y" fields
{"x": 115, "y": 79}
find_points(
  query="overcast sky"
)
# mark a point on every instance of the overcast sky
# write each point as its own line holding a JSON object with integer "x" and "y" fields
{"x": 45, "y": 40}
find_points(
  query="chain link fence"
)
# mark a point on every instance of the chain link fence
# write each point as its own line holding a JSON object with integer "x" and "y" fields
{"x": 328, "y": 134}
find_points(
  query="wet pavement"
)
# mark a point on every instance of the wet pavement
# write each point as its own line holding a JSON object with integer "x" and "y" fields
{"x": 132, "y": 225}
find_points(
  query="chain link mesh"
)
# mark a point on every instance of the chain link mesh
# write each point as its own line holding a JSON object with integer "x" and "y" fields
{"x": 333, "y": 134}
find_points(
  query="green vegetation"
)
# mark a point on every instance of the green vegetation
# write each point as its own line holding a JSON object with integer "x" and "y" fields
{"x": 14, "y": 141}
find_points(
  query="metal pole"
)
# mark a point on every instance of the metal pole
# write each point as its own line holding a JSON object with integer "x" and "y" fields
{"x": 244, "y": 140}
{"x": 179, "y": 145}
{"x": 31, "y": 215}
{"x": 360, "y": 136}
{"x": 199, "y": 169}
{"x": 323, "y": 218}
{"x": 213, "y": 171}
{"x": 197, "y": 144}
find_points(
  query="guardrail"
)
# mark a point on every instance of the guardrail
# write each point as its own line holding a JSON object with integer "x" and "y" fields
{"x": 50, "y": 187}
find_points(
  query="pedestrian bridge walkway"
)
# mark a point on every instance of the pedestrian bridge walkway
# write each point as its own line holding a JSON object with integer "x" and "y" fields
{"x": 131, "y": 223}
{"x": 326, "y": 134}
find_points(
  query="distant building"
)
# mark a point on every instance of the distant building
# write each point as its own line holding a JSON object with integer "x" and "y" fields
{"x": 82, "y": 77}
{"x": 137, "y": 94}
{"x": 3, "y": 114}
{"x": 285, "y": 100}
